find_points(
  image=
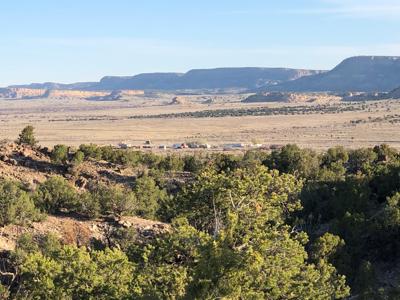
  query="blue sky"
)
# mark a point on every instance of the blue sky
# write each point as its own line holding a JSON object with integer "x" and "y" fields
{"x": 68, "y": 41}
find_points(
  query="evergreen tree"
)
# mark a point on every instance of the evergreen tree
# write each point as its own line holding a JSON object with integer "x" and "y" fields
{"x": 27, "y": 136}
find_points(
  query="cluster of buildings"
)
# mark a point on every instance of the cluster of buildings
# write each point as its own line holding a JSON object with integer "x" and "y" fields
{"x": 149, "y": 145}
{"x": 193, "y": 145}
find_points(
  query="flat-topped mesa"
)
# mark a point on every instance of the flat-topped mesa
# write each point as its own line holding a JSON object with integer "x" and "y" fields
{"x": 107, "y": 95}
{"x": 218, "y": 78}
{"x": 27, "y": 93}
{"x": 241, "y": 78}
{"x": 65, "y": 94}
{"x": 354, "y": 74}
{"x": 21, "y": 93}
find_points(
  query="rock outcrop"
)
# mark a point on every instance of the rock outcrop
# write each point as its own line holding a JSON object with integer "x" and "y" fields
{"x": 208, "y": 101}
{"x": 117, "y": 95}
{"x": 81, "y": 232}
{"x": 21, "y": 93}
{"x": 67, "y": 94}
{"x": 27, "y": 93}
{"x": 178, "y": 100}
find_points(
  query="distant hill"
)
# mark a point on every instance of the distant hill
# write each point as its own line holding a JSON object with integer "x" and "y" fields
{"x": 56, "y": 86}
{"x": 360, "y": 73}
{"x": 354, "y": 74}
{"x": 220, "y": 78}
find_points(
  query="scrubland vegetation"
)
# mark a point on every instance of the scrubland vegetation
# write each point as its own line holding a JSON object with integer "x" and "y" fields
{"x": 291, "y": 224}
{"x": 261, "y": 111}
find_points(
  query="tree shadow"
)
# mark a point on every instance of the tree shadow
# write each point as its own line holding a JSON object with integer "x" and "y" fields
{"x": 39, "y": 165}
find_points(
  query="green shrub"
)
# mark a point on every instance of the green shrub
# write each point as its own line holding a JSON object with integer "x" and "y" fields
{"x": 293, "y": 160}
{"x": 171, "y": 163}
{"x": 91, "y": 151}
{"x": 148, "y": 196}
{"x": 115, "y": 200}
{"x": 15, "y": 205}
{"x": 56, "y": 195}
{"x": 59, "y": 155}
{"x": 361, "y": 160}
{"x": 78, "y": 157}
{"x": 27, "y": 136}
{"x": 192, "y": 164}
{"x": 76, "y": 273}
{"x": 225, "y": 162}
{"x": 89, "y": 205}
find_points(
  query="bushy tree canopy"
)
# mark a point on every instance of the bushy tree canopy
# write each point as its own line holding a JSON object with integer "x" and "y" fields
{"x": 27, "y": 136}
{"x": 16, "y": 206}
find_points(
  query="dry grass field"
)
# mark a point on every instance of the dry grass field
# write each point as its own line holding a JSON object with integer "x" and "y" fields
{"x": 74, "y": 121}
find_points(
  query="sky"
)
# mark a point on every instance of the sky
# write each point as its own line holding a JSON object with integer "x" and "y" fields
{"x": 70, "y": 40}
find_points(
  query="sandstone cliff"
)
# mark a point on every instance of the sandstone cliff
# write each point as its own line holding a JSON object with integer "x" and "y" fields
{"x": 26, "y": 93}
{"x": 21, "y": 93}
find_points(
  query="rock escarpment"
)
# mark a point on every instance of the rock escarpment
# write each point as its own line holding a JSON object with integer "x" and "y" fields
{"x": 356, "y": 74}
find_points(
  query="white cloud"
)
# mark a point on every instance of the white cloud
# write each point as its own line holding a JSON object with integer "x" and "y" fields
{"x": 358, "y": 8}
{"x": 373, "y": 9}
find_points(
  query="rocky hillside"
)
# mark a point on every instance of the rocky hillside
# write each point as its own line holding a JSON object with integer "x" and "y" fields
{"x": 81, "y": 232}
{"x": 220, "y": 78}
{"x": 362, "y": 74}
{"x": 32, "y": 166}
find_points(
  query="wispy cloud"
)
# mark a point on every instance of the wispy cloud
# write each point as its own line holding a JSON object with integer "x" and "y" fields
{"x": 375, "y": 9}
{"x": 356, "y": 8}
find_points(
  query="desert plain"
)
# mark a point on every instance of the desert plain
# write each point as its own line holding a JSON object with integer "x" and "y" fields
{"x": 76, "y": 121}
